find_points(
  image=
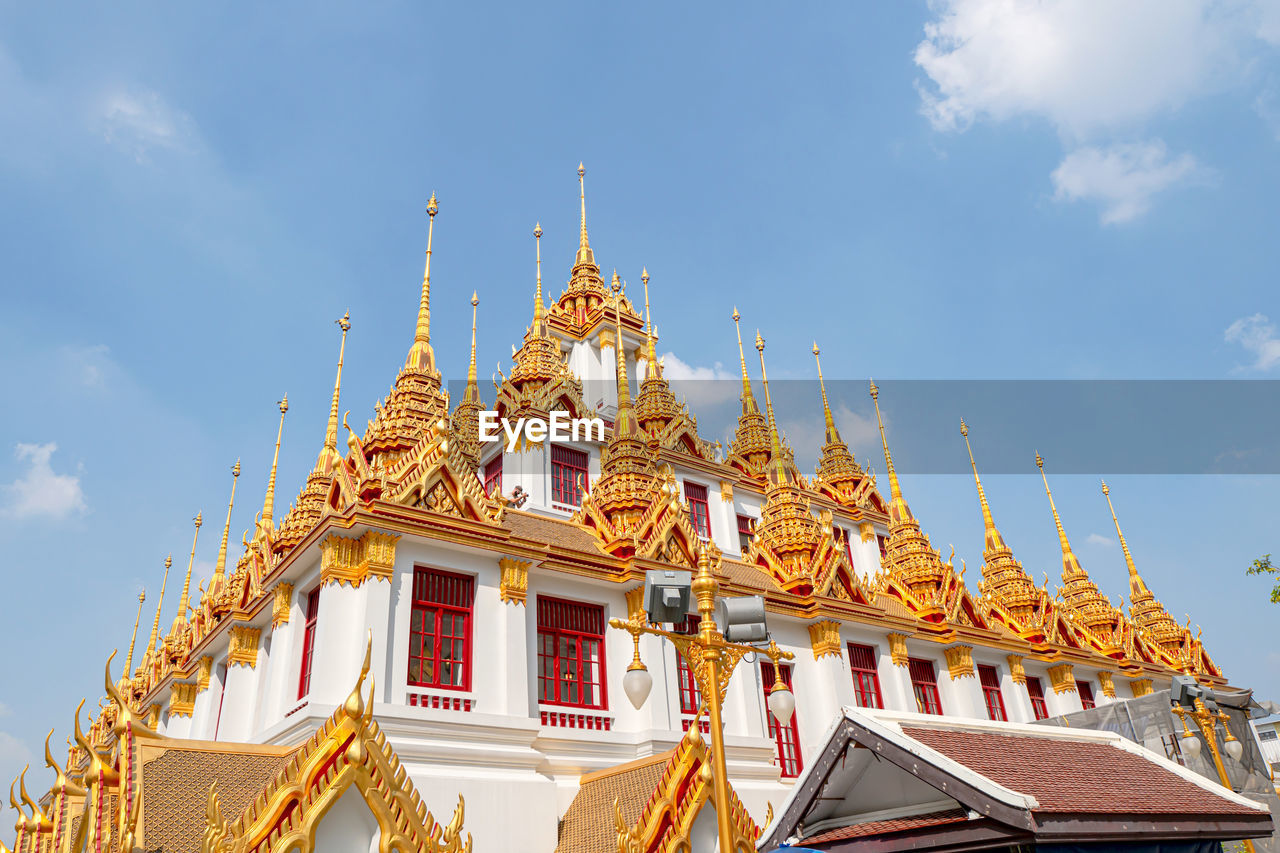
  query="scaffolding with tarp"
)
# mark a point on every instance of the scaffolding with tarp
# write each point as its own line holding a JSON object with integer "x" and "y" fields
{"x": 1150, "y": 721}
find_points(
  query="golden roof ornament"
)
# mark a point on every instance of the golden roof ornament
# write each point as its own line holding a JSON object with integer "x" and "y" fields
{"x": 174, "y": 640}
{"x": 838, "y": 475}
{"x": 749, "y": 450}
{"x": 128, "y": 661}
{"x": 1004, "y": 581}
{"x": 266, "y": 521}
{"x": 152, "y": 643}
{"x": 215, "y": 594}
{"x": 417, "y": 400}
{"x": 1080, "y": 595}
{"x": 1147, "y": 612}
{"x": 465, "y": 423}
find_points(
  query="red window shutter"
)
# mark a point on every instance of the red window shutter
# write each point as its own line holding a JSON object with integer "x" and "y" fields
{"x": 924, "y": 682}
{"x": 569, "y": 479}
{"x": 866, "y": 678}
{"x": 493, "y": 477}
{"x": 696, "y": 496}
{"x": 989, "y": 677}
{"x": 1086, "y": 695}
{"x": 786, "y": 739}
{"x": 1036, "y": 693}
{"x": 571, "y": 653}
{"x": 440, "y": 629}
{"x": 311, "y": 612}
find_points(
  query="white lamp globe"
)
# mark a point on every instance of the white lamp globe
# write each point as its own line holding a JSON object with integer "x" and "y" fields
{"x": 1234, "y": 748}
{"x": 636, "y": 684}
{"x": 1190, "y": 745}
{"x": 782, "y": 704}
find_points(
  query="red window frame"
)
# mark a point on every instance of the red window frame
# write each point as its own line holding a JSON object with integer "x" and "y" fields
{"x": 686, "y": 687}
{"x": 924, "y": 683}
{"x": 571, "y": 662}
{"x": 848, "y": 544}
{"x": 1085, "y": 689}
{"x": 311, "y": 613}
{"x": 222, "y": 695}
{"x": 866, "y": 676}
{"x": 883, "y": 542}
{"x": 1035, "y": 692}
{"x": 746, "y": 525}
{"x": 440, "y": 623}
{"x": 493, "y": 477}
{"x": 989, "y": 678}
{"x": 569, "y": 475}
{"x": 786, "y": 739}
{"x": 695, "y": 495}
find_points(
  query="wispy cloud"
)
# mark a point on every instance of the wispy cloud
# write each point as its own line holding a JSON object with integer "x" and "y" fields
{"x": 1099, "y": 539}
{"x": 141, "y": 122}
{"x": 701, "y": 386}
{"x": 1122, "y": 178}
{"x": 1257, "y": 334}
{"x": 40, "y": 492}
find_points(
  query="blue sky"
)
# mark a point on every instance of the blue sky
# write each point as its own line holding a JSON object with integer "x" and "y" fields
{"x": 964, "y": 190}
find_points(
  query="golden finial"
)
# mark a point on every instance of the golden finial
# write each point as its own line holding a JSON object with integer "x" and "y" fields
{"x": 894, "y": 490}
{"x": 748, "y": 399}
{"x": 181, "y": 619}
{"x": 1067, "y": 555}
{"x": 268, "y": 504}
{"x": 1124, "y": 546}
{"x": 584, "y": 246}
{"x": 653, "y": 369}
{"x": 626, "y": 418}
{"x": 473, "y": 392}
{"x": 128, "y": 661}
{"x": 982, "y": 495}
{"x": 537, "y": 299}
{"x": 826, "y": 407}
{"x": 778, "y": 471}
{"x": 219, "y": 569}
{"x": 155, "y": 625}
{"x": 423, "y": 333}
{"x": 329, "y": 456}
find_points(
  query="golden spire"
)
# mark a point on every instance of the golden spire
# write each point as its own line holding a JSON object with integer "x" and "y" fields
{"x": 994, "y": 540}
{"x": 220, "y": 568}
{"x": 748, "y": 399}
{"x": 585, "y": 255}
{"x": 626, "y": 416}
{"x": 329, "y": 455}
{"x": 128, "y": 661}
{"x": 653, "y": 370}
{"x": 838, "y": 475}
{"x": 155, "y": 625}
{"x": 1069, "y": 562}
{"x": 1134, "y": 578}
{"x": 267, "y": 520}
{"x": 538, "y": 310}
{"x": 1143, "y": 607}
{"x": 833, "y": 435}
{"x": 473, "y": 391}
{"x": 181, "y": 619}
{"x": 777, "y": 468}
{"x": 420, "y": 354}
{"x": 895, "y": 492}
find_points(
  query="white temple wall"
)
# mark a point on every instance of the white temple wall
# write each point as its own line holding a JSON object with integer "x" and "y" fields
{"x": 239, "y": 701}
{"x": 348, "y": 826}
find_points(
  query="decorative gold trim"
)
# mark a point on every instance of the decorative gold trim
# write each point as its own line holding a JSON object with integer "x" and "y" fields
{"x": 281, "y": 604}
{"x": 513, "y": 588}
{"x": 635, "y": 604}
{"x": 606, "y": 338}
{"x": 244, "y": 646}
{"x": 1107, "y": 684}
{"x": 1140, "y": 687}
{"x": 1062, "y": 678}
{"x": 959, "y": 661}
{"x": 354, "y": 561}
{"x": 898, "y": 649}
{"x": 726, "y": 491}
{"x": 867, "y": 531}
{"x": 204, "y": 671}
{"x": 182, "y": 700}
{"x": 1016, "y": 670}
{"x": 825, "y": 638}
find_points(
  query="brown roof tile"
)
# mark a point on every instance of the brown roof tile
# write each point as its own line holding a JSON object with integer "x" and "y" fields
{"x": 588, "y": 825}
{"x": 553, "y": 531}
{"x": 1076, "y": 776}
{"x": 175, "y": 791}
{"x": 884, "y": 827}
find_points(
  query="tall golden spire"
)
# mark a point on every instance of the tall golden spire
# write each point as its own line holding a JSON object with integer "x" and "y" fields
{"x": 748, "y": 399}
{"x": 473, "y": 390}
{"x": 220, "y": 568}
{"x": 838, "y": 475}
{"x": 1135, "y": 580}
{"x": 539, "y": 312}
{"x": 832, "y": 434}
{"x": 994, "y": 541}
{"x": 626, "y": 425}
{"x": 653, "y": 370}
{"x": 155, "y": 625}
{"x": 267, "y": 521}
{"x": 180, "y": 620}
{"x": 897, "y": 504}
{"x": 329, "y": 455}
{"x": 128, "y": 661}
{"x": 1149, "y": 613}
{"x": 777, "y": 462}
{"x": 1070, "y": 565}
{"x": 420, "y": 355}
{"x": 464, "y": 426}
{"x": 585, "y": 255}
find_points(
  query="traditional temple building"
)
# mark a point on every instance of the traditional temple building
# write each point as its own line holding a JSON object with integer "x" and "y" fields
{"x": 465, "y": 592}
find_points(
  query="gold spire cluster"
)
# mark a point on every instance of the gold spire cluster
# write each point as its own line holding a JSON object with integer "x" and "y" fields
{"x": 586, "y": 292}
{"x": 1147, "y": 613}
{"x": 838, "y": 475}
{"x": 1004, "y": 581}
{"x": 1080, "y": 595}
{"x": 465, "y": 424}
{"x": 417, "y": 400}
{"x": 750, "y": 449}
{"x": 656, "y": 405}
{"x": 177, "y": 642}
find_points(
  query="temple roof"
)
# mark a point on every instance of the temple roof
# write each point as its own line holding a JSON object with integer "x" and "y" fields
{"x": 588, "y": 824}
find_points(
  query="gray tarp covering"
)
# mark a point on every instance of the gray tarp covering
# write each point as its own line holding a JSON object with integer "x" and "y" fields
{"x": 1151, "y": 722}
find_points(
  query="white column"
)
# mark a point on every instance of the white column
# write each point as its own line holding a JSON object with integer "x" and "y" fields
{"x": 378, "y": 625}
{"x": 514, "y": 696}
{"x": 1016, "y": 701}
{"x": 338, "y": 646}
{"x": 822, "y": 688}
{"x": 281, "y": 692}
{"x": 238, "y": 703}
{"x": 895, "y": 683}
{"x": 961, "y": 696}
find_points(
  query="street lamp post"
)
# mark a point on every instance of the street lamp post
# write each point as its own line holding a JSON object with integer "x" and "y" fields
{"x": 712, "y": 660}
{"x": 1207, "y": 721}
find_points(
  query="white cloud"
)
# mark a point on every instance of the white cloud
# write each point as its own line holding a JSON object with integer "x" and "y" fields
{"x": 701, "y": 386}
{"x": 1122, "y": 178}
{"x": 141, "y": 122}
{"x": 40, "y": 491}
{"x": 1257, "y": 334}
{"x": 1099, "y": 539}
{"x": 1083, "y": 65}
